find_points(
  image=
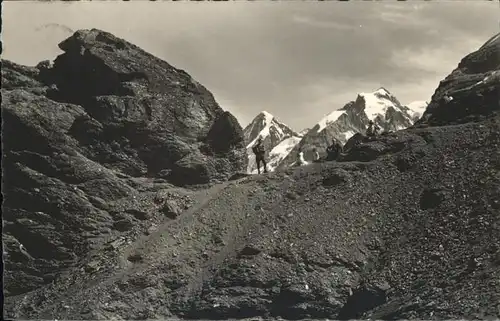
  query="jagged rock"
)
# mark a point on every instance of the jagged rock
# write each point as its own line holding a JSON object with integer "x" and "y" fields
{"x": 123, "y": 225}
{"x": 291, "y": 195}
{"x": 139, "y": 214}
{"x": 355, "y": 140}
{"x": 472, "y": 88}
{"x": 249, "y": 251}
{"x": 92, "y": 266}
{"x": 225, "y": 134}
{"x": 135, "y": 257}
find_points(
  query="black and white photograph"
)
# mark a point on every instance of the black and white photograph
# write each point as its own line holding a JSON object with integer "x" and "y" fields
{"x": 251, "y": 160}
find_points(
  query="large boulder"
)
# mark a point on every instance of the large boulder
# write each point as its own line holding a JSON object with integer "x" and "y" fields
{"x": 365, "y": 149}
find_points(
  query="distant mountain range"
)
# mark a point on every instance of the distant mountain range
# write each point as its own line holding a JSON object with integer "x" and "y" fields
{"x": 282, "y": 143}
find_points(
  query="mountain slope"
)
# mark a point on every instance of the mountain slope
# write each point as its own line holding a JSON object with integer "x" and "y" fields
{"x": 276, "y": 136}
{"x": 379, "y": 106}
{"x": 405, "y": 227}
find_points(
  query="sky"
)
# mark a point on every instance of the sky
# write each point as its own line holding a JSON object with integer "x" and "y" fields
{"x": 298, "y": 60}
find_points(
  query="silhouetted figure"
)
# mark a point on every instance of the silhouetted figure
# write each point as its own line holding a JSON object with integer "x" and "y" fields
{"x": 333, "y": 151}
{"x": 260, "y": 152}
{"x": 372, "y": 129}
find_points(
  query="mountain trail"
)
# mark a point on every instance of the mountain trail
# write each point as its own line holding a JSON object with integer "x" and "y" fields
{"x": 144, "y": 245}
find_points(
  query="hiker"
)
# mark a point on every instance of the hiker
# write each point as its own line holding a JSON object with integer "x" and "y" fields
{"x": 259, "y": 151}
{"x": 333, "y": 151}
{"x": 372, "y": 129}
{"x": 315, "y": 155}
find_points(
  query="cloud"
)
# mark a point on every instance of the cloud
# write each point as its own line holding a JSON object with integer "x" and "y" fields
{"x": 322, "y": 24}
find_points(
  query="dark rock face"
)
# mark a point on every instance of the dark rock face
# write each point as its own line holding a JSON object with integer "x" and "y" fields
{"x": 473, "y": 88}
{"x": 75, "y": 135}
{"x": 141, "y": 115}
{"x": 404, "y": 227}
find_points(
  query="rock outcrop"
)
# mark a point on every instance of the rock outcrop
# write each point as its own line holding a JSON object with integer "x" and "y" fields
{"x": 407, "y": 226}
{"x": 471, "y": 91}
{"x": 140, "y": 115}
{"x": 97, "y": 127}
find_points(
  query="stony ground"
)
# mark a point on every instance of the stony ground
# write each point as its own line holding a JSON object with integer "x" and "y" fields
{"x": 408, "y": 235}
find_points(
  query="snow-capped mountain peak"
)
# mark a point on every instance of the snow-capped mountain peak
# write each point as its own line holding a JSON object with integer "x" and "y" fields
{"x": 266, "y": 114}
{"x": 382, "y": 92}
{"x": 378, "y": 102}
{"x": 259, "y": 127}
{"x": 265, "y": 118}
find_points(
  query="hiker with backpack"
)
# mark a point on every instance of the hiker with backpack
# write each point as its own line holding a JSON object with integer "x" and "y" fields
{"x": 372, "y": 129}
{"x": 259, "y": 151}
{"x": 333, "y": 151}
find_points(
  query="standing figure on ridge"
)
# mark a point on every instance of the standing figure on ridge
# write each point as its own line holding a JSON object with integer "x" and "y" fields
{"x": 260, "y": 152}
{"x": 372, "y": 129}
{"x": 333, "y": 151}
